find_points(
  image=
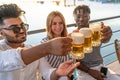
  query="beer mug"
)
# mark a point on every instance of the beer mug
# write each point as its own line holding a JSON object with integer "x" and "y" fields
{"x": 77, "y": 49}
{"x": 96, "y": 36}
{"x": 87, "y": 39}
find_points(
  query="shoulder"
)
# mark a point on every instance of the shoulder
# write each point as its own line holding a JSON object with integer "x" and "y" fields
{"x": 2, "y": 42}
{"x": 3, "y": 45}
{"x": 28, "y": 45}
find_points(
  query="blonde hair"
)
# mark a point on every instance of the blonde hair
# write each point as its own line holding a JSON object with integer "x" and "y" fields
{"x": 49, "y": 21}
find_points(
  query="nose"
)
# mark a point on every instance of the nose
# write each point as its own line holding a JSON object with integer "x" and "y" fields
{"x": 22, "y": 29}
{"x": 57, "y": 24}
{"x": 81, "y": 18}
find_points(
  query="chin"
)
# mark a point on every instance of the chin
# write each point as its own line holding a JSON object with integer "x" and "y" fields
{"x": 82, "y": 25}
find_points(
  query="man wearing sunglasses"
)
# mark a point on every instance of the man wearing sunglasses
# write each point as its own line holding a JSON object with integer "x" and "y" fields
{"x": 19, "y": 61}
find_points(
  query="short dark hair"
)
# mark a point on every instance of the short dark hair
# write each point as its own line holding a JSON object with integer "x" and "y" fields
{"x": 85, "y": 9}
{"x": 9, "y": 11}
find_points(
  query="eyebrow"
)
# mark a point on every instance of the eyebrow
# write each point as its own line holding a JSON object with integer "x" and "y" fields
{"x": 14, "y": 25}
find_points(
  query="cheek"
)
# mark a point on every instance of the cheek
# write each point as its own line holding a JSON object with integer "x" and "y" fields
{"x": 52, "y": 29}
{"x": 77, "y": 20}
{"x": 5, "y": 34}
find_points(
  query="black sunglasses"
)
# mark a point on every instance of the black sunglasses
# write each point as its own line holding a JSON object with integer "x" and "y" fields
{"x": 17, "y": 29}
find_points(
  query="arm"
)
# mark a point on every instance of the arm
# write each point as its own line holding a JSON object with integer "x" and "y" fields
{"x": 94, "y": 73}
{"x": 57, "y": 46}
{"x": 13, "y": 59}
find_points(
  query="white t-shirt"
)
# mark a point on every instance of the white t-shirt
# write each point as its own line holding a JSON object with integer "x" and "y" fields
{"x": 12, "y": 66}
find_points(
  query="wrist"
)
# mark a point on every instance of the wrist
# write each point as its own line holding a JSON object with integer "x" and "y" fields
{"x": 83, "y": 68}
{"x": 48, "y": 47}
{"x": 87, "y": 70}
{"x": 56, "y": 75}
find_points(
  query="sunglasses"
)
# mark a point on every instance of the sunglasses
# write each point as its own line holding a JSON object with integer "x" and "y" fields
{"x": 17, "y": 29}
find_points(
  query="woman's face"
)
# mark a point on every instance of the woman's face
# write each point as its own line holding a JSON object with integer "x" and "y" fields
{"x": 57, "y": 26}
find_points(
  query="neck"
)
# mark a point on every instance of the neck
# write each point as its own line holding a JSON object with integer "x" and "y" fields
{"x": 87, "y": 26}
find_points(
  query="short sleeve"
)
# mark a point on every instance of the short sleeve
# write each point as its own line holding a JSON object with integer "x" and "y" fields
{"x": 11, "y": 60}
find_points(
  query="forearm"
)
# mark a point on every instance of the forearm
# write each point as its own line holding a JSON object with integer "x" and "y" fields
{"x": 83, "y": 67}
{"x": 35, "y": 53}
{"x": 94, "y": 73}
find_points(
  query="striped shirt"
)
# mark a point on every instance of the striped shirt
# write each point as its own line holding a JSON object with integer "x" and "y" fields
{"x": 53, "y": 60}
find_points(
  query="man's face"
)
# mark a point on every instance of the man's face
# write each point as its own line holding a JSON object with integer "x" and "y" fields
{"x": 82, "y": 19}
{"x": 8, "y": 33}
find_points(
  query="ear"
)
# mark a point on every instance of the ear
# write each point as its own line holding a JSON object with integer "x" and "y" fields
{"x": 2, "y": 35}
{"x": 0, "y": 32}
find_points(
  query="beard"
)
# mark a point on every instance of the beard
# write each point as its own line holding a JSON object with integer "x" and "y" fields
{"x": 12, "y": 40}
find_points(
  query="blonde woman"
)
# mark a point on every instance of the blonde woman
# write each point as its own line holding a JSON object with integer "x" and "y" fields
{"x": 56, "y": 27}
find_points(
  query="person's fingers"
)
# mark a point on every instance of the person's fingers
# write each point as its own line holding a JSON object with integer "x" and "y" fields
{"x": 66, "y": 48}
{"x": 102, "y": 75}
{"x": 65, "y": 51}
{"x": 77, "y": 64}
{"x": 106, "y": 35}
{"x": 71, "y": 66}
{"x": 67, "y": 40}
{"x": 102, "y": 24}
{"x": 69, "y": 62}
{"x": 105, "y": 29}
{"x": 74, "y": 66}
{"x": 66, "y": 45}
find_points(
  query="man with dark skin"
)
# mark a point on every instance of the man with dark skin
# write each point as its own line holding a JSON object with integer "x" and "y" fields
{"x": 92, "y": 62}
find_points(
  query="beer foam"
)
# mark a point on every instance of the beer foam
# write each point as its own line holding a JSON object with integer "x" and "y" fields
{"x": 86, "y": 31}
{"x": 95, "y": 27}
{"x": 77, "y": 37}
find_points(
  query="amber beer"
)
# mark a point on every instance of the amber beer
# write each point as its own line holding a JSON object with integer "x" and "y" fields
{"x": 88, "y": 39}
{"x": 77, "y": 48}
{"x": 96, "y": 39}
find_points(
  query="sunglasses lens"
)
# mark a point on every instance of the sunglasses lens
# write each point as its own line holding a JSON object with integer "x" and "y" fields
{"x": 16, "y": 30}
{"x": 23, "y": 27}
